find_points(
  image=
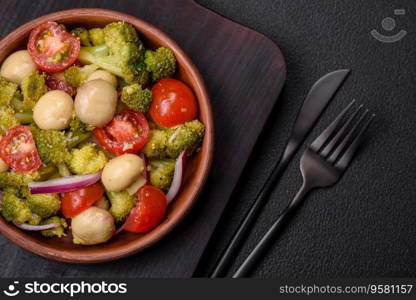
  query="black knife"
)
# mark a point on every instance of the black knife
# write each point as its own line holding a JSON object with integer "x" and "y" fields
{"x": 317, "y": 99}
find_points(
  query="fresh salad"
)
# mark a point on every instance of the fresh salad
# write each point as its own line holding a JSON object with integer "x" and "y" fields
{"x": 94, "y": 132}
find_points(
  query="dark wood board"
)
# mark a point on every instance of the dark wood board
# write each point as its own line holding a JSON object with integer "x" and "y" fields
{"x": 244, "y": 72}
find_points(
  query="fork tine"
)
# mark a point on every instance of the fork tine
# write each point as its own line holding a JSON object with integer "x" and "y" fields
{"x": 345, "y": 159}
{"x": 341, "y": 133}
{"x": 347, "y": 139}
{"x": 324, "y": 136}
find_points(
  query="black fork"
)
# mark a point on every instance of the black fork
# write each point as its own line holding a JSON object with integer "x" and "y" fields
{"x": 322, "y": 164}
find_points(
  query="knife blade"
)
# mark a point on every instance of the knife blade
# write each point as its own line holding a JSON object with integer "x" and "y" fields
{"x": 315, "y": 102}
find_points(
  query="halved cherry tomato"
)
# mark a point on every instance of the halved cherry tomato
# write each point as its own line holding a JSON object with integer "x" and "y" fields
{"x": 128, "y": 132}
{"x": 54, "y": 83}
{"x": 173, "y": 103}
{"x": 73, "y": 203}
{"x": 148, "y": 212}
{"x": 52, "y": 48}
{"x": 18, "y": 150}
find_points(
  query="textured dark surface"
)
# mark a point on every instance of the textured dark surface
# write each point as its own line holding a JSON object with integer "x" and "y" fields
{"x": 365, "y": 226}
{"x": 239, "y": 65}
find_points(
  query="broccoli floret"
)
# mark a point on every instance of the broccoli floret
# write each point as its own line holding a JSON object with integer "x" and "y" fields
{"x": 43, "y": 205}
{"x": 160, "y": 63}
{"x": 52, "y": 145}
{"x": 58, "y": 231}
{"x": 7, "y": 91}
{"x": 156, "y": 146}
{"x": 103, "y": 203}
{"x": 122, "y": 53}
{"x": 76, "y": 76}
{"x": 17, "y": 179}
{"x": 185, "y": 137}
{"x": 78, "y": 132}
{"x": 13, "y": 208}
{"x": 76, "y": 125}
{"x": 17, "y": 102}
{"x": 34, "y": 219}
{"x": 161, "y": 173}
{"x": 121, "y": 204}
{"x": 96, "y": 36}
{"x": 83, "y": 35}
{"x": 7, "y": 119}
{"x": 171, "y": 142}
{"x": 136, "y": 98}
{"x": 33, "y": 87}
{"x": 86, "y": 160}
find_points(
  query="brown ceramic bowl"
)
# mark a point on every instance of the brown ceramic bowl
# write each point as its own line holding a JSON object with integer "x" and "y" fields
{"x": 123, "y": 244}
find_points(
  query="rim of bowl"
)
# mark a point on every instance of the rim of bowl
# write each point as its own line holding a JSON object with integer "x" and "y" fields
{"x": 16, "y": 236}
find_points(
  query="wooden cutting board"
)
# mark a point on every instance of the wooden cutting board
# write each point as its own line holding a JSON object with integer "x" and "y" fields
{"x": 244, "y": 72}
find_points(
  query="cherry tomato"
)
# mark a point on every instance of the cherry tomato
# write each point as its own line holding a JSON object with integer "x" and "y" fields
{"x": 18, "y": 150}
{"x": 173, "y": 103}
{"x": 52, "y": 48}
{"x": 128, "y": 132}
{"x": 54, "y": 83}
{"x": 74, "y": 202}
{"x": 148, "y": 212}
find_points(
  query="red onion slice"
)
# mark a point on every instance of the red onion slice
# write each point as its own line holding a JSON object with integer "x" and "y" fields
{"x": 177, "y": 177}
{"x": 120, "y": 229}
{"x": 64, "y": 184}
{"x": 29, "y": 227}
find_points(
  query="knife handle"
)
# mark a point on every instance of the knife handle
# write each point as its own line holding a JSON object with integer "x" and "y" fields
{"x": 244, "y": 227}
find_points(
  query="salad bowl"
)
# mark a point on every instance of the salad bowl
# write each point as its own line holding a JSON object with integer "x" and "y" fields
{"x": 123, "y": 243}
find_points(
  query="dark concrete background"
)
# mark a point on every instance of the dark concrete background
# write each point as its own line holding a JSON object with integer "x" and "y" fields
{"x": 365, "y": 226}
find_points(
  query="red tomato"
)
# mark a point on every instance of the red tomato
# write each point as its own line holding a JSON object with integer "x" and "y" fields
{"x": 148, "y": 212}
{"x": 173, "y": 103}
{"x": 54, "y": 83}
{"x": 72, "y": 203}
{"x": 18, "y": 150}
{"x": 128, "y": 132}
{"x": 52, "y": 48}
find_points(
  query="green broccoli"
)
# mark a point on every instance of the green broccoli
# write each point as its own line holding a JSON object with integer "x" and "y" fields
{"x": 156, "y": 146}
{"x": 76, "y": 125}
{"x": 23, "y": 115}
{"x": 52, "y": 145}
{"x": 185, "y": 137}
{"x": 7, "y": 91}
{"x": 17, "y": 179}
{"x": 13, "y": 208}
{"x": 86, "y": 160}
{"x": 7, "y": 119}
{"x": 96, "y": 36}
{"x": 57, "y": 231}
{"x": 171, "y": 142}
{"x": 83, "y": 35}
{"x": 136, "y": 98}
{"x": 122, "y": 54}
{"x": 76, "y": 76}
{"x": 33, "y": 87}
{"x": 160, "y": 63}
{"x": 102, "y": 203}
{"x": 121, "y": 204}
{"x": 78, "y": 132}
{"x": 17, "y": 102}
{"x": 161, "y": 173}
{"x": 43, "y": 205}
{"x": 34, "y": 219}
